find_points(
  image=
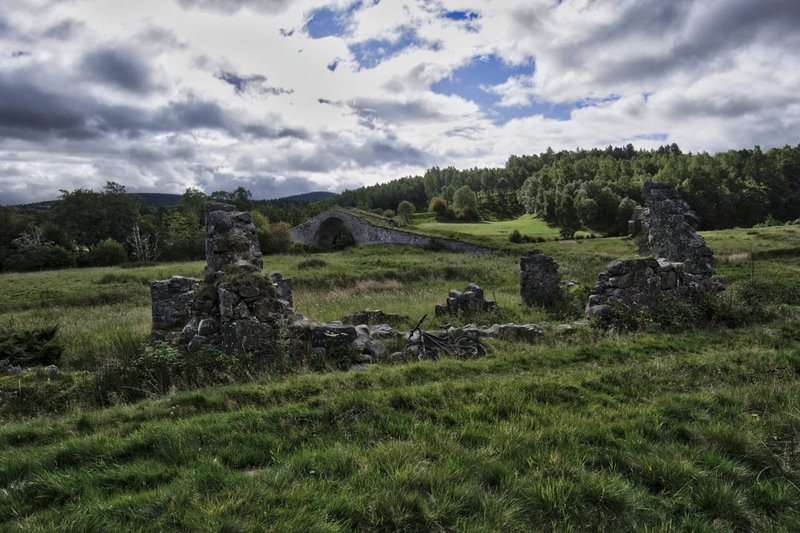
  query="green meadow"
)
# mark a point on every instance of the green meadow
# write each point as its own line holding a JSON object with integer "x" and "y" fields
{"x": 692, "y": 425}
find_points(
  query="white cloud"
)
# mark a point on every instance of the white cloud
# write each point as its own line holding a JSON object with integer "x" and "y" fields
{"x": 153, "y": 112}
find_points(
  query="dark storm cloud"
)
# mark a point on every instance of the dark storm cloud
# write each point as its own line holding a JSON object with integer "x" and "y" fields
{"x": 160, "y": 36}
{"x": 63, "y": 30}
{"x": 121, "y": 67}
{"x": 233, "y": 6}
{"x": 332, "y": 153}
{"x": 729, "y": 107}
{"x": 33, "y": 113}
{"x": 27, "y": 112}
{"x": 240, "y": 83}
{"x": 254, "y": 84}
{"x": 714, "y": 35}
{"x": 394, "y": 112}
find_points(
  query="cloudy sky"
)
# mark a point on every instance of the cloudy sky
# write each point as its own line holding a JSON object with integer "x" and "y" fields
{"x": 289, "y": 96}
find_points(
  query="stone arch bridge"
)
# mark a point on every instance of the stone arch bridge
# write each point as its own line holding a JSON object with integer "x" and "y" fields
{"x": 323, "y": 228}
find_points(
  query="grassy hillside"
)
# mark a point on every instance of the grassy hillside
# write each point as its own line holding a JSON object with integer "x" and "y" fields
{"x": 689, "y": 430}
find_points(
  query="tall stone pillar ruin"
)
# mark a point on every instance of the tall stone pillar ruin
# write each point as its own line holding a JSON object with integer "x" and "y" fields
{"x": 667, "y": 228}
{"x": 237, "y": 307}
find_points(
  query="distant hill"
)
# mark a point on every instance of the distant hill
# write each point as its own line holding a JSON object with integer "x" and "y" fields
{"x": 158, "y": 199}
{"x": 37, "y": 206}
{"x": 305, "y": 197}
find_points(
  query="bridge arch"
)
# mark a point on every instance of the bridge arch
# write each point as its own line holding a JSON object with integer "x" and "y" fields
{"x": 329, "y": 230}
{"x": 322, "y": 229}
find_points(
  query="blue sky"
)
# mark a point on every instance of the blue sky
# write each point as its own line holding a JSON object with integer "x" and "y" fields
{"x": 289, "y": 96}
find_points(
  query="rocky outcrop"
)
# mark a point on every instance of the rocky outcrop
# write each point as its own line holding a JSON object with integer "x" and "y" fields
{"x": 538, "y": 279}
{"x": 464, "y": 303}
{"x": 667, "y": 228}
{"x": 644, "y": 282}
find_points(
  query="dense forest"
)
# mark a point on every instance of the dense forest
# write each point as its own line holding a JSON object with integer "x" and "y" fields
{"x": 595, "y": 189}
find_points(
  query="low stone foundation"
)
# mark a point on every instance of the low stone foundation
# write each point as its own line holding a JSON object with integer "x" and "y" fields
{"x": 644, "y": 282}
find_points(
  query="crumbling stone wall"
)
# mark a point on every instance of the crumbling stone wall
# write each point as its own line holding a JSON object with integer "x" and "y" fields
{"x": 666, "y": 228}
{"x": 681, "y": 269}
{"x": 172, "y": 301}
{"x": 466, "y": 302}
{"x": 236, "y": 308}
{"x": 538, "y": 279}
{"x": 644, "y": 282}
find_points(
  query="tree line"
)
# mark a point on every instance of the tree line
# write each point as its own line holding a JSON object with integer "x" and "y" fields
{"x": 596, "y": 189}
{"x": 109, "y": 227}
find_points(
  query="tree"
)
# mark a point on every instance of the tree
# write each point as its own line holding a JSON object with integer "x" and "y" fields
{"x": 183, "y": 237}
{"x": 625, "y": 212}
{"x": 193, "y": 200}
{"x": 240, "y": 197}
{"x": 567, "y": 214}
{"x": 405, "y": 209}
{"x": 144, "y": 247}
{"x": 465, "y": 197}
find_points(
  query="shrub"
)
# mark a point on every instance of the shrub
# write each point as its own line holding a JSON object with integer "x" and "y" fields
{"x": 31, "y": 347}
{"x": 468, "y": 213}
{"x": 438, "y": 206}
{"x": 450, "y": 213}
{"x": 406, "y": 210}
{"x": 158, "y": 366}
{"x": 515, "y": 236}
{"x": 40, "y": 258}
{"x": 311, "y": 263}
{"x": 181, "y": 249}
{"x": 388, "y": 213}
{"x": 297, "y": 248}
{"x": 105, "y": 253}
{"x": 275, "y": 239}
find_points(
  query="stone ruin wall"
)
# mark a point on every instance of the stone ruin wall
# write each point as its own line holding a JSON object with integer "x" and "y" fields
{"x": 681, "y": 268}
{"x": 468, "y": 302}
{"x": 239, "y": 308}
{"x": 236, "y": 308}
{"x": 667, "y": 228}
{"x": 643, "y": 282}
{"x": 539, "y": 282}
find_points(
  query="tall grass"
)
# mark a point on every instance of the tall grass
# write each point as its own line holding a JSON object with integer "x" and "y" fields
{"x": 697, "y": 430}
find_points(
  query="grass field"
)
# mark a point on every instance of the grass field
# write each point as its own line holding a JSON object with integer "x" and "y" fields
{"x": 600, "y": 430}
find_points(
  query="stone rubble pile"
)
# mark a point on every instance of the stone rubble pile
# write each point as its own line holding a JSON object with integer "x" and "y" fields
{"x": 464, "y": 303}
